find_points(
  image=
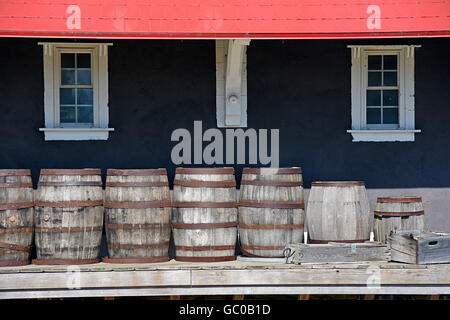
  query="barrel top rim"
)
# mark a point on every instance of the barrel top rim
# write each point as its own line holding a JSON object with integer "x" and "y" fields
{"x": 202, "y": 171}
{"x": 399, "y": 199}
{"x": 15, "y": 172}
{"x": 338, "y": 183}
{"x": 84, "y": 171}
{"x": 136, "y": 172}
{"x": 272, "y": 171}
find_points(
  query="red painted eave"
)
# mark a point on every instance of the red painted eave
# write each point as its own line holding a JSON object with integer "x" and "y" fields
{"x": 213, "y": 19}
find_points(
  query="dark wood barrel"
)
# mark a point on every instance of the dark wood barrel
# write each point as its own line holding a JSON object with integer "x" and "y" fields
{"x": 271, "y": 210}
{"x": 16, "y": 217}
{"x": 338, "y": 211}
{"x": 137, "y": 215}
{"x": 68, "y": 216}
{"x": 397, "y": 213}
{"x": 204, "y": 217}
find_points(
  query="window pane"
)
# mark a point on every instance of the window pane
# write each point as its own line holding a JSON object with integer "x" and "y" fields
{"x": 389, "y": 78}
{"x": 374, "y": 79}
{"x": 84, "y": 96}
{"x": 373, "y": 98}
{"x": 84, "y": 76}
{"x": 83, "y": 60}
{"x": 374, "y": 116}
{"x": 390, "y": 97}
{"x": 67, "y": 115}
{"x": 374, "y": 62}
{"x": 85, "y": 114}
{"x": 390, "y": 62}
{"x": 67, "y": 77}
{"x": 67, "y": 96}
{"x": 67, "y": 60}
{"x": 390, "y": 115}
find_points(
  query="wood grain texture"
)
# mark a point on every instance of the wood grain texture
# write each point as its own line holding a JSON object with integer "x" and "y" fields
{"x": 214, "y": 242}
{"x": 338, "y": 211}
{"x": 16, "y": 224}
{"x": 83, "y": 242}
{"x": 134, "y": 227}
{"x": 337, "y": 252}
{"x": 397, "y": 213}
{"x": 271, "y": 213}
{"x": 414, "y": 246}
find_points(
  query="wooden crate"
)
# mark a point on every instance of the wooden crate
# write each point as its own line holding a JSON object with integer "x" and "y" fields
{"x": 298, "y": 253}
{"x": 418, "y": 247}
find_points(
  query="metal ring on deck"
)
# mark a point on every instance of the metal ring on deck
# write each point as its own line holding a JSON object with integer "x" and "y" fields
{"x": 136, "y": 260}
{"x": 271, "y": 226}
{"x": 205, "y": 259}
{"x": 338, "y": 184}
{"x": 399, "y": 199}
{"x": 138, "y": 184}
{"x": 13, "y": 263}
{"x": 204, "y": 248}
{"x": 14, "y": 172}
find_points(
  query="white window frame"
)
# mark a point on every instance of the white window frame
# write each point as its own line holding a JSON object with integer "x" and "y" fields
{"x": 405, "y": 130}
{"x": 54, "y": 130}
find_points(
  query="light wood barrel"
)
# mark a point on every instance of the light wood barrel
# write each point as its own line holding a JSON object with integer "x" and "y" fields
{"x": 68, "y": 216}
{"x": 397, "y": 213}
{"x": 16, "y": 217}
{"x": 338, "y": 211}
{"x": 271, "y": 210}
{"x": 137, "y": 215}
{"x": 204, "y": 217}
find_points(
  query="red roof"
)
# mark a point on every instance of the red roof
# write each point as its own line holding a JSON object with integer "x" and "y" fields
{"x": 224, "y": 18}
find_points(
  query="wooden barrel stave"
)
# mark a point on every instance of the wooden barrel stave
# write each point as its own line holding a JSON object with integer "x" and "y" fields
{"x": 339, "y": 213}
{"x": 192, "y": 239}
{"x": 263, "y": 231}
{"x": 397, "y": 213}
{"x": 75, "y": 210}
{"x": 135, "y": 232}
{"x": 16, "y": 225}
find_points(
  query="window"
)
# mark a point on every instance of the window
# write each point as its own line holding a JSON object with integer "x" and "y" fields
{"x": 383, "y": 93}
{"x": 76, "y": 91}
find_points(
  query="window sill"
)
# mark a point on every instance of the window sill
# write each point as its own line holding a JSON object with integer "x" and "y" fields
{"x": 383, "y": 135}
{"x": 52, "y": 134}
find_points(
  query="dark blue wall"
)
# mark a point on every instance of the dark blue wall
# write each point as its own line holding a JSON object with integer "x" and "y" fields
{"x": 300, "y": 87}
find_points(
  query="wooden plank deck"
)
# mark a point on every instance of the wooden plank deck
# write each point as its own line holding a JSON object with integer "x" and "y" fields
{"x": 225, "y": 278}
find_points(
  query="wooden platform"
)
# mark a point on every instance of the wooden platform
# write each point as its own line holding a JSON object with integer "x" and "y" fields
{"x": 226, "y": 278}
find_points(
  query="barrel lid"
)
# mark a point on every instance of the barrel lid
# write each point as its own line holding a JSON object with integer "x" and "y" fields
{"x": 15, "y": 172}
{"x": 68, "y": 172}
{"x": 272, "y": 171}
{"x": 136, "y": 172}
{"x": 400, "y": 199}
{"x": 337, "y": 183}
{"x": 225, "y": 170}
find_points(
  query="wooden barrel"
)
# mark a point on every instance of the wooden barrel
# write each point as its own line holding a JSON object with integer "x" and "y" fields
{"x": 204, "y": 217}
{"x": 397, "y": 213}
{"x": 137, "y": 215}
{"x": 16, "y": 217}
{"x": 338, "y": 211}
{"x": 68, "y": 216}
{"x": 271, "y": 210}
